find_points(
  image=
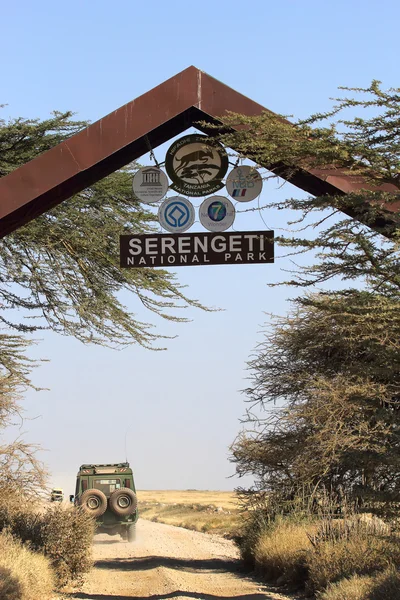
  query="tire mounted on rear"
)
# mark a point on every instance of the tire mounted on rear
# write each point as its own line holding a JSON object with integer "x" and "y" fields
{"x": 123, "y": 502}
{"x": 93, "y": 502}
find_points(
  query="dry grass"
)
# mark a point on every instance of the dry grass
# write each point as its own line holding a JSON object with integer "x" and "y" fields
{"x": 281, "y": 552}
{"x": 226, "y": 500}
{"x": 24, "y": 575}
{"x": 336, "y": 559}
{"x": 199, "y": 510}
{"x": 362, "y": 554}
{"x": 355, "y": 588}
{"x": 385, "y": 586}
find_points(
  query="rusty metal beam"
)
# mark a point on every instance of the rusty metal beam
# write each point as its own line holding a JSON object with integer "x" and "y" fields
{"x": 123, "y": 136}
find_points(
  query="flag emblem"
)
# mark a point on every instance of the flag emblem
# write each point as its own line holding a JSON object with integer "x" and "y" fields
{"x": 238, "y": 192}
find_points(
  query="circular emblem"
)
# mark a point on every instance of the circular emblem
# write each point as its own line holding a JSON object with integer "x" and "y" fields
{"x": 176, "y": 214}
{"x": 195, "y": 166}
{"x": 244, "y": 183}
{"x": 150, "y": 184}
{"x": 217, "y": 213}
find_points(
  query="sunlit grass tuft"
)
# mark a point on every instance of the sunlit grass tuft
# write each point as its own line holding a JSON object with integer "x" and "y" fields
{"x": 24, "y": 575}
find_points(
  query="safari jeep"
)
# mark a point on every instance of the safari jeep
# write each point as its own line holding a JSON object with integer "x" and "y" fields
{"x": 107, "y": 492}
{"x": 57, "y": 495}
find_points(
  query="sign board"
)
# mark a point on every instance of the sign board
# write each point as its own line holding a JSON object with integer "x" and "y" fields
{"x": 244, "y": 183}
{"x": 150, "y": 184}
{"x": 217, "y": 213}
{"x": 176, "y": 214}
{"x": 174, "y": 250}
{"x": 195, "y": 166}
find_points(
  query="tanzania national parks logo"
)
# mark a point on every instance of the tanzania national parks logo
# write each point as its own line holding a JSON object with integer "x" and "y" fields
{"x": 196, "y": 166}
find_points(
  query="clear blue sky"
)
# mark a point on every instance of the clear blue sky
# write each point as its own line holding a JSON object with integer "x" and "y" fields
{"x": 181, "y": 408}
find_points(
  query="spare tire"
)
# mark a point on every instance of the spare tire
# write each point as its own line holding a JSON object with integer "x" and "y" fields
{"x": 123, "y": 502}
{"x": 93, "y": 502}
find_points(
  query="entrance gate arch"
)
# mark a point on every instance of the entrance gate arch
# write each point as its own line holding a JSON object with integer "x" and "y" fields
{"x": 124, "y": 135}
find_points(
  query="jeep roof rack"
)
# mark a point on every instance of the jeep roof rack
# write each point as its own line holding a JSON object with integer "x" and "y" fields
{"x": 95, "y": 465}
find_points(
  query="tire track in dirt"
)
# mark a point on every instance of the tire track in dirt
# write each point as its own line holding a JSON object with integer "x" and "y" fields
{"x": 166, "y": 563}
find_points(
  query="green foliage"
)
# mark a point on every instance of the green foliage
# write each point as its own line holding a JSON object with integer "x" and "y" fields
{"x": 61, "y": 271}
{"x": 21, "y": 140}
{"x": 365, "y": 149}
{"x": 369, "y": 146}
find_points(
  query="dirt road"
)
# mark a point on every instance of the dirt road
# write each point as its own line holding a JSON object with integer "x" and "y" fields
{"x": 168, "y": 562}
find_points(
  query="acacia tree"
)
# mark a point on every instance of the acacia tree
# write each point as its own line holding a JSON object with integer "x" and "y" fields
{"x": 61, "y": 271}
{"x": 20, "y": 469}
{"x": 367, "y": 147}
{"x": 325, "y": 379}
{"x": 325, "y": 400}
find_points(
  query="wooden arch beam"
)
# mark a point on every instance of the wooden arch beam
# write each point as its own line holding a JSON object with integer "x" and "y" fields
{"x": 126, "y": 134}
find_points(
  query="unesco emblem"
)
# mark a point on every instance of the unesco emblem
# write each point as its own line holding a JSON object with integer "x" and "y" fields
{"x": 176, "y": 214}
{"x": 150, "y": 184}
{"x": 195, "y": 166}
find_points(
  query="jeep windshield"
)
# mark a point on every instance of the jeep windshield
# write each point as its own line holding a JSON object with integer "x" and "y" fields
{"x": 107, "y": 486}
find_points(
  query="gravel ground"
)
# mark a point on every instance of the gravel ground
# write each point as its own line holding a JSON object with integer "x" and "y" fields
{"x": 168, "y": 562}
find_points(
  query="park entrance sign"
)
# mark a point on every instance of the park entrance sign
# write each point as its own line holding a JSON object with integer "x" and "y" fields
{"x": 166, "y": 250}
{"x": 195, "y": 167}
{"x": 189, "y": 99}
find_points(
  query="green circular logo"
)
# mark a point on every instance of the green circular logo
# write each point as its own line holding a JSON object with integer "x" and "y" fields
{"x": 217, "y": 211}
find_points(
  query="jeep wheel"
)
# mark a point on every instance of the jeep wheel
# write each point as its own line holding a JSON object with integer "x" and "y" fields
{"x": 132, "y": 533}
{"x": 123, "y": 502}
{"x": 93, "y": 502}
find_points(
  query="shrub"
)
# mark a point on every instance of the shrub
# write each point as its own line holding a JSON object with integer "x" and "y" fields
{"x": 281, "y": 552}
{"x": 64, "y": 535}
{"x": 21, "y": 517}
{"x": 24, "y": 575}
{"x": 256, "y": 525}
